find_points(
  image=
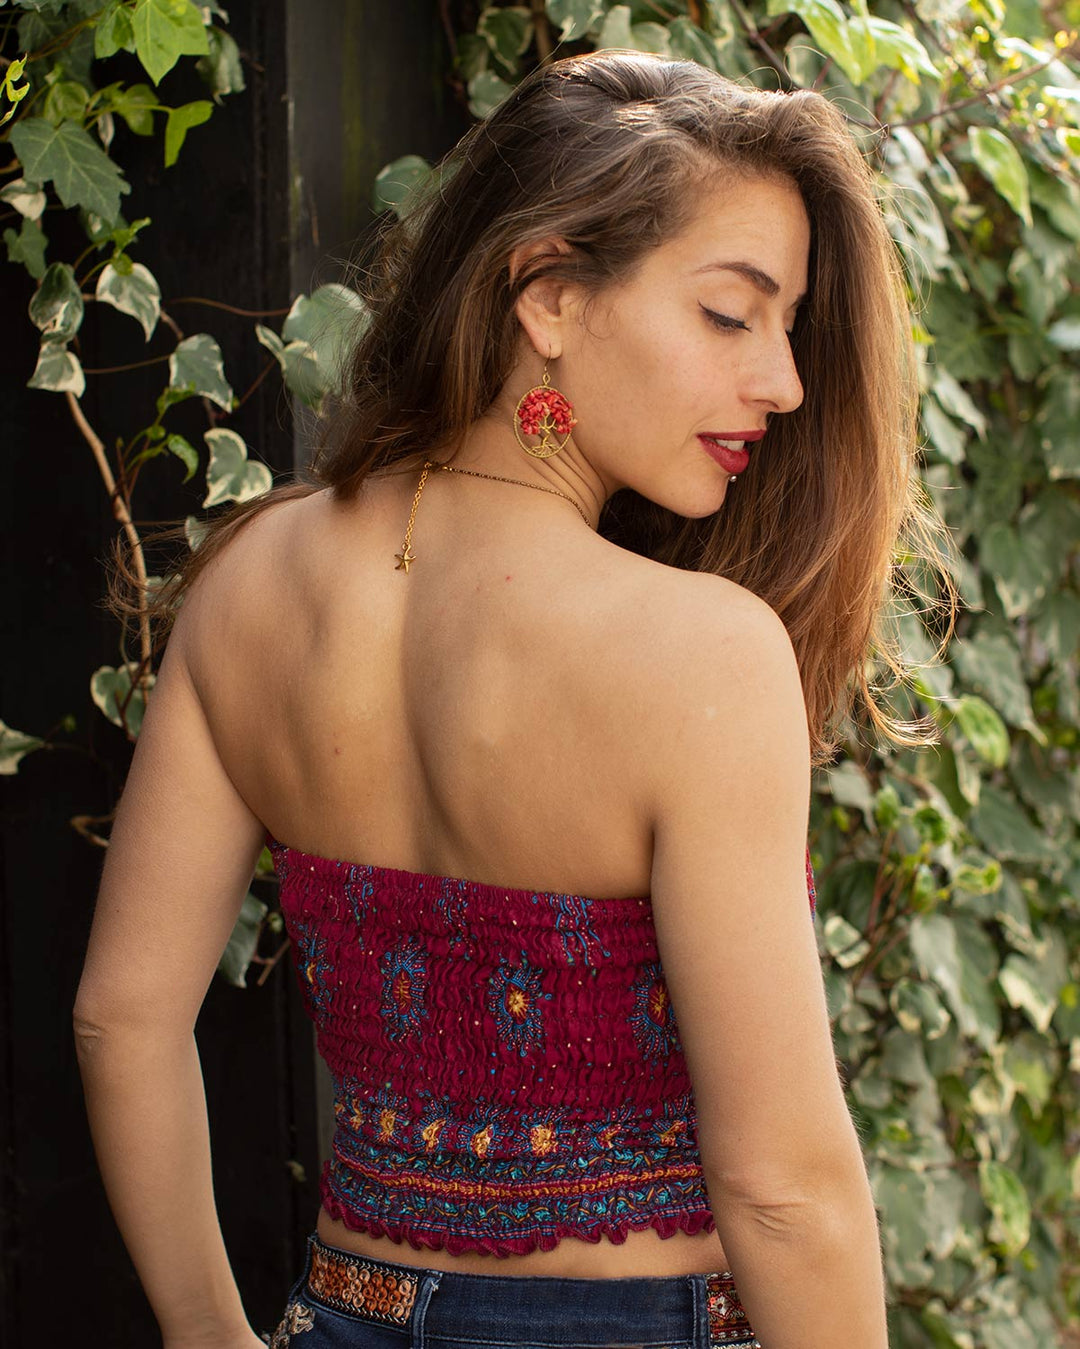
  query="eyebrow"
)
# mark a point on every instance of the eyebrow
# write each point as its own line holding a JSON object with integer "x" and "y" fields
{"x": 760, "y": 280}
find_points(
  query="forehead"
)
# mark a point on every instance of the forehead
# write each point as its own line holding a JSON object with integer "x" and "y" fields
{"x": 760, "y": 221}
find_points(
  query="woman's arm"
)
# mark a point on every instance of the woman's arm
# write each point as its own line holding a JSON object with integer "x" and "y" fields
{"x": 787, "y": 1182}
{"x": 181, "y": 857}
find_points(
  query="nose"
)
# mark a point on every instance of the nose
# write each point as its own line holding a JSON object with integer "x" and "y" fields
{"x": 776, "y": 382}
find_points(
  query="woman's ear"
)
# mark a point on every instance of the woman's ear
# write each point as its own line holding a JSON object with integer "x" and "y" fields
{"x": 545, "y": 306}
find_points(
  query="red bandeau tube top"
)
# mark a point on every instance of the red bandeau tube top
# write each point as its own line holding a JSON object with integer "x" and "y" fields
{"x": 506, "y": 1064}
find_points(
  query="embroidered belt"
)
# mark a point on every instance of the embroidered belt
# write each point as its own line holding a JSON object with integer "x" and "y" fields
{"x": 386, "y": 1294}
{"x": 728, "y": 1324}
{"x": 349, "y": 1283}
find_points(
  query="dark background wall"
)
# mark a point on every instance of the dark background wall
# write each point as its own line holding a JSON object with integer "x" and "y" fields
{"x": 264, "y": 202}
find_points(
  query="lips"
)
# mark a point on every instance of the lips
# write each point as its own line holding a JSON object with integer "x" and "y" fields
{"x": 728, "y": 453}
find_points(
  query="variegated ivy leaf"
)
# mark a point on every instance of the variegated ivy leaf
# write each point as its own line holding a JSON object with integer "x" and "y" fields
{"x": 241, "y": 945}
{"x": 56, "y": 307}
{"x": 15, "y": 745}
{"x": 27, "y": 198}
{"x": 136, "y": 293}
{"x": 59, "y": 370}
{"x": 230, "y": 476}
{"x": 111, "y": 690}
{"x": 196, "y": 364}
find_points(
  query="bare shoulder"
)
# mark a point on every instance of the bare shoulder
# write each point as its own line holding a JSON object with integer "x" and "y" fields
{"x": 694, "y": 648}
{"x": 249, "y": 572}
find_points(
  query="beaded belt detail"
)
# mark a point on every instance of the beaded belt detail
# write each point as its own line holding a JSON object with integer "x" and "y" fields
{"x": 728, "y": 1324}
{"x": 349, "y": 1283}
{"x": 352, "y": 1284}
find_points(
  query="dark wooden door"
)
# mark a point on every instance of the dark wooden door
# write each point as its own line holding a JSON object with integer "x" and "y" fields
{"x": 263, "y": 203}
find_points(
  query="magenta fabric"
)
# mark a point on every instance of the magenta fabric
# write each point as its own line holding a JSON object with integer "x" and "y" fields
{"x": 506, "y": 1064}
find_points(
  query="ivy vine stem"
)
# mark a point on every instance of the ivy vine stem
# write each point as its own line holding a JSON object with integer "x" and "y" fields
{"x": 122, "y": 513}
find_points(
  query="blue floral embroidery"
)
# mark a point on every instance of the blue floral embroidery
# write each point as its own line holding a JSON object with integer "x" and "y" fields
{"x": 514, "y": 996}
{"x": 653, "y": 1020}
{"x": 452, "y": 901}
{"x": 359, "y": 888}
{"x": 573, "y": 923}
{"x": 315, "y": 969}
{"x": 404, "y": 990}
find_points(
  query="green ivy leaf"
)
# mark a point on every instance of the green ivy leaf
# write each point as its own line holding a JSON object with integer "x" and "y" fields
{"x": 196, "y": 364}
{"x": 180, "y": 122}
{"x": 1058, "y": 420}
{"x": 1065, "y": 334}
{"x": 1000, "y": 161}
{"x": 164, "y": 31}
{"x": 135, "y": 292}
{"x": 961, "y": 961}
{"x": 574, "y": 17}
{"x": 195, "y": 531}
{"x": 111, "y": 690}
{"x": 398, "y": 184}
{"x": 1057, "y": 626}
{"x": 137, "y": 105}
{"x": 1004, "y": 1195}
{"x": 11, "y": 89}
{"x": 27, "y": 247}
{"x": 1021, "y": 563}
{"x": 241, "y": 945}
{"x": 56, "y": 307}
{"x": 229, "y": 475}
{"x": 844, "y": 942}
{"x": 956, "y": 401}
{"x": 507, "y": 32}
{"x": 82, "y": 173}
{"x": 114, "y": 32}
{"x": 1034, "y": 986}
{"x": 984, "y": 729}
{"x": 185, "y": 452}
{"x": 221, "y": 68}
{"x": 918, "y": 1009}
{"x": 15, "y": 745}
{"x": 850, "y": 42}
{"x": 690, "y": 43}
{"x": 1001, "y": 824}
{"x": 900, "y": 50}
{"x": 486, "y": 92}
{"x": 990, "y": 662}
{"x": 615, "y": 30}
{"x": 299, "y": 366}
{"x": 65, "y": 102}
{"x": 329, "y": 321}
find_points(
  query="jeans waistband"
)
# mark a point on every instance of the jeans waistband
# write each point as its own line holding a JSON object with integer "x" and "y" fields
{"x": 697, "y": 1308}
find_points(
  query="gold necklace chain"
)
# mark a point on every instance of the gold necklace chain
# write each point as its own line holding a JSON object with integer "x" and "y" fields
{"x": 405, "y": 556}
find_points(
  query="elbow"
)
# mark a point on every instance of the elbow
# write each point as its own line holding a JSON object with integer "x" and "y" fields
{"x": 794, "y": 1207}
{"x": 89, "y": 1030}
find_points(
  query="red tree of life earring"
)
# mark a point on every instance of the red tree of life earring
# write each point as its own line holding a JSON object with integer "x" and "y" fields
{"x": 544, "y": 412}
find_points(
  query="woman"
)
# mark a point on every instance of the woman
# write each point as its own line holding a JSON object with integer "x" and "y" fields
{"x": 551, "y": 769}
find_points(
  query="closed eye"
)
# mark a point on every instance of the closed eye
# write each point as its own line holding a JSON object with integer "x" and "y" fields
{"x": 724, "y": 321}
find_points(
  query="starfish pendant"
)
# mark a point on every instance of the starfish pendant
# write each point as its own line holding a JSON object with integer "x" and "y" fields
{"x": 405, "y": 558}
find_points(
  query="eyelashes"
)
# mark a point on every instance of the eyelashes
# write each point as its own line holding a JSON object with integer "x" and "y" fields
{"x": 724, "y": 321}
{"x": 727, "y": 324}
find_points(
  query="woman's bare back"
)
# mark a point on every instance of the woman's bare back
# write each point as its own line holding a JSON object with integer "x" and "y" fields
{"x": 480, "y": 716}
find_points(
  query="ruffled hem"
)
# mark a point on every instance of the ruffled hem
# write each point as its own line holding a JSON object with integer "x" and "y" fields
{"x": 666, "y": 1225}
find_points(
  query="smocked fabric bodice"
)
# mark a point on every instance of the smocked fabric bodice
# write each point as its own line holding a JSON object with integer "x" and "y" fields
{"x": 506, "y": 1064}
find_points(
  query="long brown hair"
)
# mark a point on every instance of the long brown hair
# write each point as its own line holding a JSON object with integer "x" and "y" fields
{"x": 606, "y": 151}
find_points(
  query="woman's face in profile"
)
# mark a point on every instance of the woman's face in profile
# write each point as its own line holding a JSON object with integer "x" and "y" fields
{"x": 695, "y": 345}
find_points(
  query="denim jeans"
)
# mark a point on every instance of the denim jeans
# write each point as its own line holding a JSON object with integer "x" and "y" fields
{"x": 342, "y": 1301}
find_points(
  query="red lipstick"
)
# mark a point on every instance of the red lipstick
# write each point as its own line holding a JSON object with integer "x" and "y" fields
{"x": 733, "y": 459}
